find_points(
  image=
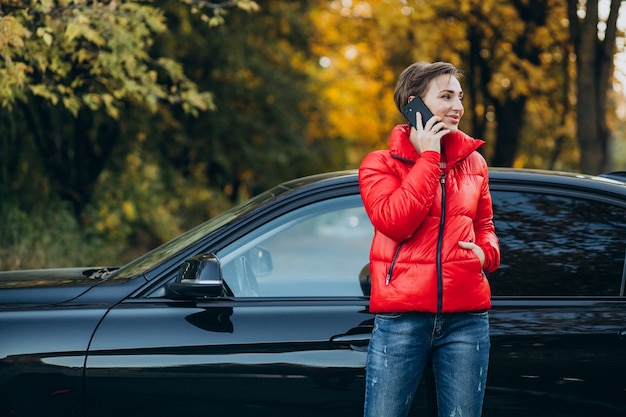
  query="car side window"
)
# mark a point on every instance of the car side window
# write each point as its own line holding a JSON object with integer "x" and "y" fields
{"x": 555, "y": 245}
{"x": 318, "y": 250}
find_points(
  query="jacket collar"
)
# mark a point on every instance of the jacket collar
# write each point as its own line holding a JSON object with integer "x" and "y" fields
{"x": 457, "y": 146}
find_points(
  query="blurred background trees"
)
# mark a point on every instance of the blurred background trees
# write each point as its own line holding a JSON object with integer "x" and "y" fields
{"x": 123, "y": 123}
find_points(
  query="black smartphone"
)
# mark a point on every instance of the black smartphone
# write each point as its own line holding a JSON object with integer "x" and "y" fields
{"x": 414, "y": 106}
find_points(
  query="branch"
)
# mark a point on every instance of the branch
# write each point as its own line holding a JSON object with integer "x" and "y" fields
{"x": 610, "y": 35}
{"x": 211, "y": 5}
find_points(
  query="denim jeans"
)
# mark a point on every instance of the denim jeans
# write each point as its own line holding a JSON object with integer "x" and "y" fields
{"x": 400, "y": 348}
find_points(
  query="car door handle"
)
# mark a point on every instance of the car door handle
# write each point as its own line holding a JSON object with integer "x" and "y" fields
{"x": 351, "y": 338}
{"x": 622, "y": 334}
{"x": 356, "y": 341}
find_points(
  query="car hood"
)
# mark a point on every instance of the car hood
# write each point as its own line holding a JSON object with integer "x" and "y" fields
{"x": 47, "y": 286}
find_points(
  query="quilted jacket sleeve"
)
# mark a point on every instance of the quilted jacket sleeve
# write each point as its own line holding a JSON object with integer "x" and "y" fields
{"x": 484, "y": 228}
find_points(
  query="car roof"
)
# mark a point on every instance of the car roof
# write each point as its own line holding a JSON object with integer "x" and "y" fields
{"x": 333, "y": 177}
{"x": 525, "y": 177}
{"x": 616, "y": 175}
{"x": 613, "y": 182}
{"x": 556, "y": 176}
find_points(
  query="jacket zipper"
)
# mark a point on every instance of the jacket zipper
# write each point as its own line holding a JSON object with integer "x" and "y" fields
{"x": 442, "y": 181}
{"x": 393, "y": 263}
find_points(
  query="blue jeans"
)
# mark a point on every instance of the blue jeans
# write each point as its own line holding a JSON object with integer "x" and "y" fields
{"x": 400, "y": 348}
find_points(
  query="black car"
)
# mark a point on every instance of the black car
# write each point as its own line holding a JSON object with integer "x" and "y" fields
{"x": 263, "y": 311}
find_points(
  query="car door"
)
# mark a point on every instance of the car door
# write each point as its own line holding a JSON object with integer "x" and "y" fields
{"x": 559, "y": 311}
{"x": 290, "y": 340}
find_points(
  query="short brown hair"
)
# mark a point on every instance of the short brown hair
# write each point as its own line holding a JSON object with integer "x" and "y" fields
{"x": 414, "y": 80}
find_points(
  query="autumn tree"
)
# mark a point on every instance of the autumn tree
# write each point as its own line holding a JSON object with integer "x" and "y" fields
{"x": 268, "y": 124}
{"x": 519, "y": 71}
{"x": 517, "y": 58}
{"x": 510, "y": 51}
{"x": 177, "y": 170}
{"x": 355, "y": 78}
{"x": 594, "y": 50}
{"x": 71, "y": 70}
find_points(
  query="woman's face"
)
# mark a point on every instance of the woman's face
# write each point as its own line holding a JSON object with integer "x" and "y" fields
{"x": 444, "y": 97}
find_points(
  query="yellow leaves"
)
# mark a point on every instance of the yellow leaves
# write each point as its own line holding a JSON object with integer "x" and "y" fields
{"x": 133, "y": 161}
{"x": 132, "y": 202}
{"x": 46, "y": 5}
{"x": 248, "y": 5}
{"x": 12, "y": 33}
{"x": 213, "y": 21}
{"x": 194, "y": 101}
{"x": 72, "y": 31}
{"x": 107, "y": 220}
{"x": 81, "y": 26}
{"x": 128, "y": 208}
{"x": 12, "y": 80}
{"x": 13, "y": 72}
{"x": 71, "y": 104}
{"x": 92, "y": 101}
{"x": 43, "y": 91}
{"x": 214, "y": 15}
{"x": 45, "y": 34}
{"x": 93, "y": 55}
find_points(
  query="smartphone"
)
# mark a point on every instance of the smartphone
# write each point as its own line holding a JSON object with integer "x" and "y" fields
{"x": 414, "y": 106}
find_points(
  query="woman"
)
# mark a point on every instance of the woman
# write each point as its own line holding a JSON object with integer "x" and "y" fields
{"x": 429, "y": 201}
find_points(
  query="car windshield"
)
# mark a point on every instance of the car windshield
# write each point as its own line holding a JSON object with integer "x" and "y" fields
{"x": 155, "y": 256}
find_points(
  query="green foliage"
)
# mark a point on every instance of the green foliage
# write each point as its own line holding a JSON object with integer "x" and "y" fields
{"x": 77, "y": 78}
{"x": 47, "y": 235}
{"x": 79, "y": 53}
{"x": 141, "y": 204}
{"x": 267, "y": 126}
{"x": 72, "y": 70}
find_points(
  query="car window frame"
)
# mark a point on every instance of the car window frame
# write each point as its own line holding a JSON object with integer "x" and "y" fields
{"x": 283, "y": 222}
{"x": 563, "y": 190}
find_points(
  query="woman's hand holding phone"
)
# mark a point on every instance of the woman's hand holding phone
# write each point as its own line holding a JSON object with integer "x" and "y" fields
{"x": 425, "y": 134}
{"x": 428, "y": 138}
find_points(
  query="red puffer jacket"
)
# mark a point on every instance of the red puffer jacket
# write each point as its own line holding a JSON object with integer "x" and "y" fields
{"x": 420, "y": 212}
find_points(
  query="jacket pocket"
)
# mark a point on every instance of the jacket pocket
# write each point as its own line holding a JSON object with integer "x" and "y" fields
{"x": 393, "y": 264}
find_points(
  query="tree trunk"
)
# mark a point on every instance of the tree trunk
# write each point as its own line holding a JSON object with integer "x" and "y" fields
{"x": 508, "y": 130}
{"x": 594, "y": 64}
{"x": 73, "y": 150}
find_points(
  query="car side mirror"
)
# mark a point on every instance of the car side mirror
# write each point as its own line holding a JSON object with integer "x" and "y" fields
{"x": 198, "y": 277}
